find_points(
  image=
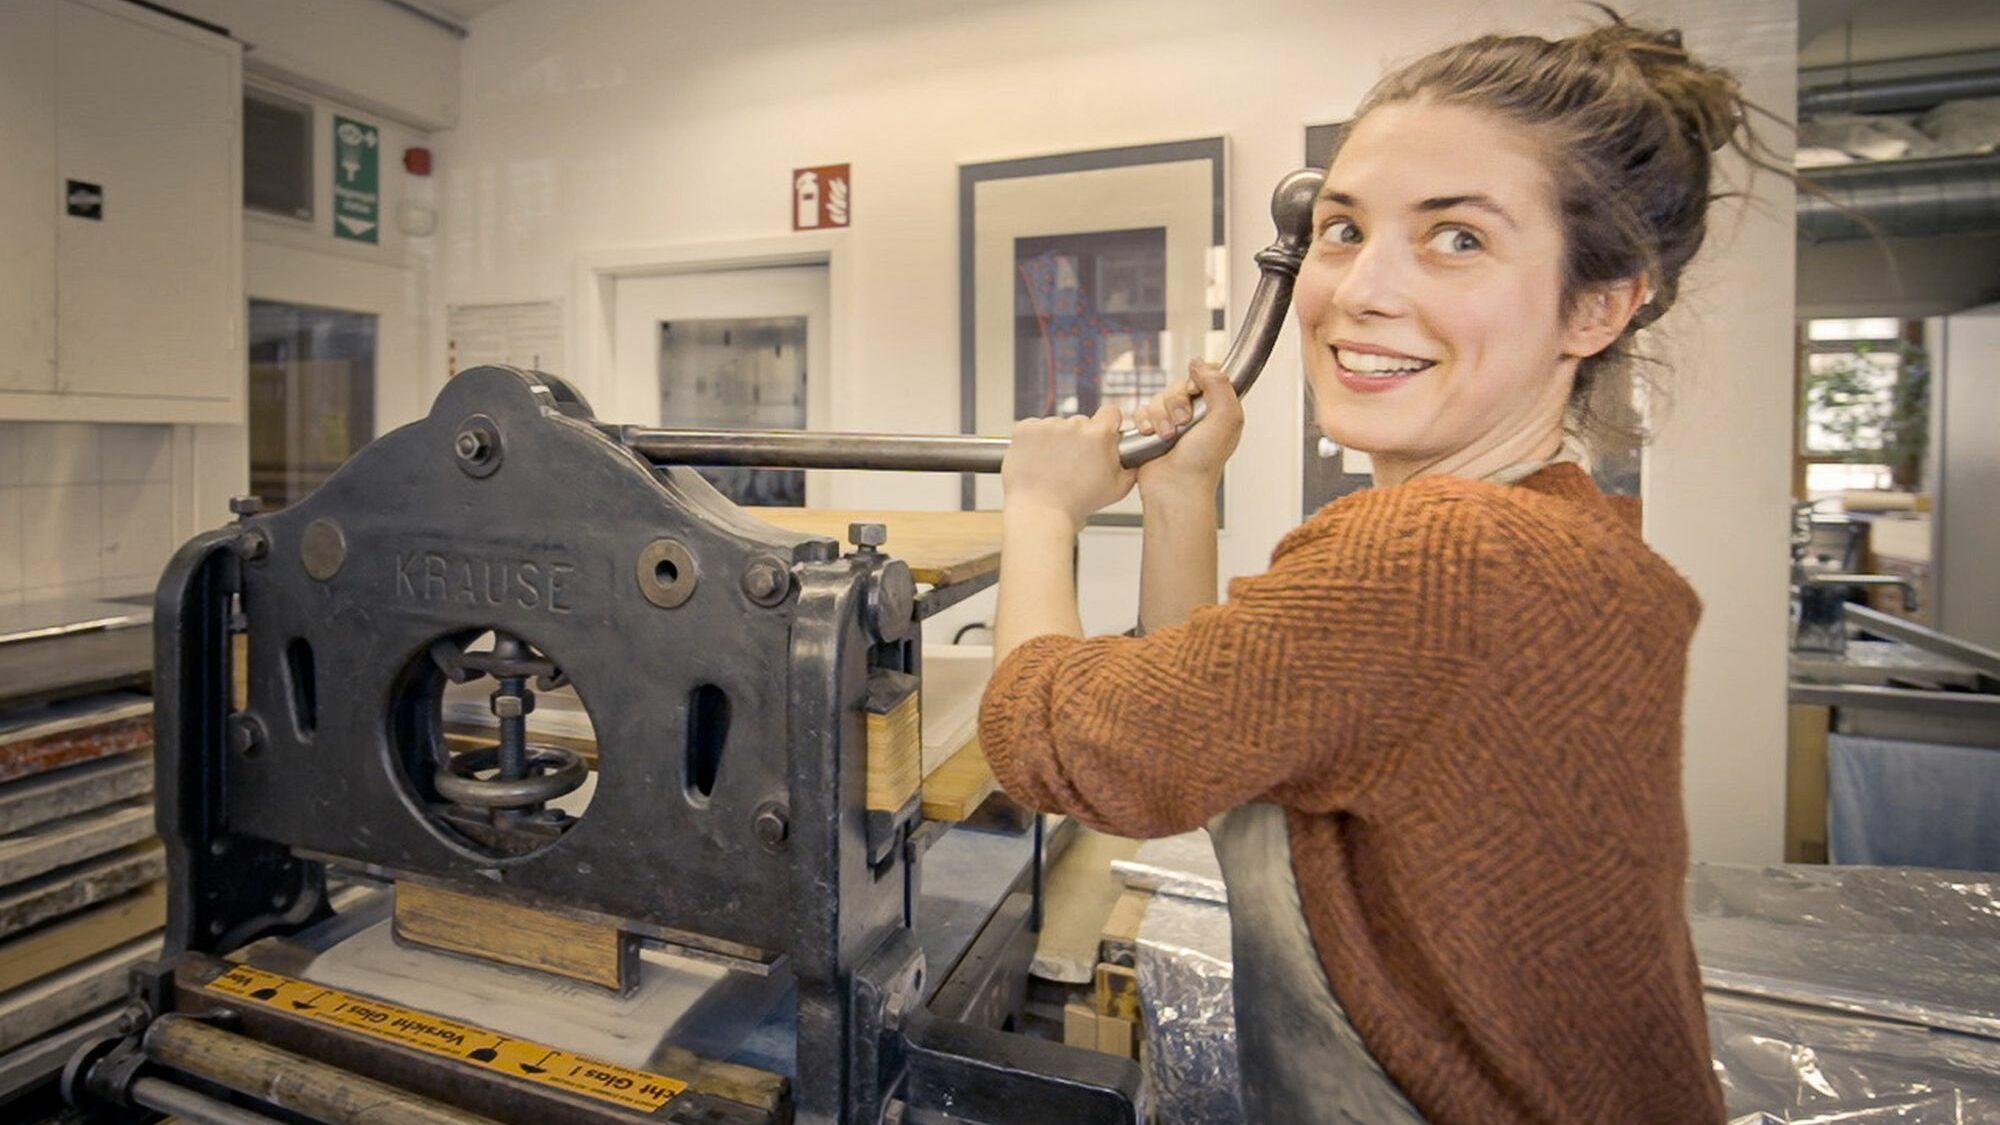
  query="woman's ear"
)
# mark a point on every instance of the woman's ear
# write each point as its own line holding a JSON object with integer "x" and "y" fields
{"x": 1601, "y": 313}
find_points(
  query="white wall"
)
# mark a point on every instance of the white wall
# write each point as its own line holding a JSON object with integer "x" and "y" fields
{"x": 1929, "y": 276}
{"x": 86, "y": 510}
{"x": 1967, "y": 378}
{"x": 376, "y": 56}
{"x": 592, "y": 130}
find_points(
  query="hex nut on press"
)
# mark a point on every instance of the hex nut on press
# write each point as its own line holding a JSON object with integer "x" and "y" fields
{"x": 477, "y": 447}
{"x": 772, "y": 825}
{"x": 767, "y": 580}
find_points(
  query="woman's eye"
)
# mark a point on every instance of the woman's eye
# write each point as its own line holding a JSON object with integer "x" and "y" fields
{"x": 1341, "y": 231}
{"x": 1456, "y": 241}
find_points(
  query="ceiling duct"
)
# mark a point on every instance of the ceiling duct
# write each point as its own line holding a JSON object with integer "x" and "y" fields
{"x": 1958, "y": 195}
{"x": 1898, "y": 95}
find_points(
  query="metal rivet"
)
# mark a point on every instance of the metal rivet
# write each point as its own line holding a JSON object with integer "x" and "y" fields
{"x": 772, "y": 825}
{"x": 323, "y": 549}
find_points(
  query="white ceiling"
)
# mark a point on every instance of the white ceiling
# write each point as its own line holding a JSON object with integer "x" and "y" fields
{"x": 460, "y": 11}
{"x": 1894, "y": 29}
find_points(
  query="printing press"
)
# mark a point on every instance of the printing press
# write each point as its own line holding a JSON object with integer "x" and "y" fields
{"x": 372, "y": 919}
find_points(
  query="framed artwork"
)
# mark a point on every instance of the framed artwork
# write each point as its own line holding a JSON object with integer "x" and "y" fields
{"x": 1086, "y": 278}
{"x": 1328, "y": 471}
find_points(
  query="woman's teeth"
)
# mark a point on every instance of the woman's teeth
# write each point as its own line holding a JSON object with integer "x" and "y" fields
{"x": 1367, "y": 363}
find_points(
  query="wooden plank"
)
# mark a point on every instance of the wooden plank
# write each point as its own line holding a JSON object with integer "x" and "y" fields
{"x": 941, "y": 548}
{"x": 65, "y": 792}
{"x": 73, "y": 739}
{"x": 956, "y": 789}
{"x": 54, "y": 1001}
{"x": 1117, "y": 991}
{"x": 53, "y": 948}
{"x": 1805, "y": 784}
{"x": 73, "y": 888}
{"x": 1120, "y": 943}
{"x": 59, "y": 843}
{"x": 492, "y": 930}
{"x": 895, "y": 740}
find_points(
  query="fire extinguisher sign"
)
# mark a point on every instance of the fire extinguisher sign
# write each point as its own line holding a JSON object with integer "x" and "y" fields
{"x": 821, "y": 197}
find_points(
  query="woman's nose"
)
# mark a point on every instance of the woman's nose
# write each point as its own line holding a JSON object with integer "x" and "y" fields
{"x": 1374, "y": 282}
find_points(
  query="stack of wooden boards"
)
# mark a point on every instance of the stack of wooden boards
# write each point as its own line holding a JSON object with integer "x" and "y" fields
{"x": 82, "y": 891}
{"x": 1107, "y": 1017}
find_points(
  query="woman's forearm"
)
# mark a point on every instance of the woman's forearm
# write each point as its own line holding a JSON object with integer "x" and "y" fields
{"x": 1177, "y": 568}
{"x": 1037, "y": 578}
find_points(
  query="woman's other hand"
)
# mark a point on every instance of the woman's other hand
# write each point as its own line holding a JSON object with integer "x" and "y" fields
{"x": 1196, "y": 458}
{"x": 1067, "y": 466}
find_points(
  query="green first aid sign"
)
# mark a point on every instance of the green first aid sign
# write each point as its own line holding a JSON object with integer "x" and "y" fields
{"x": 357, "y": 181}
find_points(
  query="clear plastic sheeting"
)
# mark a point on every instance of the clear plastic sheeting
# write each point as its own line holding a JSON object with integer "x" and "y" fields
{"x": 1185, "y": 993}
{"x": 1785, "y": 1065}
{"x": 1836, "y": 996}
{"x": 1916, "y": 946}
{"x": 1183, "y": 866}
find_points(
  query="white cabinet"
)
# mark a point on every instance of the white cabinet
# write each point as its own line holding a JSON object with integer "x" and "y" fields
{"x": 143, "y": 112}
{"x": 28, "y": 193}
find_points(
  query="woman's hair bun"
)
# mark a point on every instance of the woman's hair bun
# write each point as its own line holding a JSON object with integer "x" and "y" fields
{"x": 1707, "y": 101}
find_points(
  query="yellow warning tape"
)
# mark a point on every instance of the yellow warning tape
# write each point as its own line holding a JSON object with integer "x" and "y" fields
{"x": 462, "y": 1042}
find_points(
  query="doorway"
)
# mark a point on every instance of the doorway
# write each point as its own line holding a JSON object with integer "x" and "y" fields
{"x": 335, "y": 346}
{"x": 729, "y": 349}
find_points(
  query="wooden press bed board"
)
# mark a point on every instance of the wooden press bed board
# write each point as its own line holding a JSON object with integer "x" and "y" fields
{"x": 942, "y": 548}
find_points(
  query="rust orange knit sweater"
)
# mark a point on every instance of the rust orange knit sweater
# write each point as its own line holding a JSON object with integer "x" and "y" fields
{"x": 1467, "y": 698}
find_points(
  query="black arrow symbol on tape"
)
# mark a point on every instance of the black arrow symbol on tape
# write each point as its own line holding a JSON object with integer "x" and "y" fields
{"x": 487, "y": 1054}
{"x": 536, "y": 1066}
{"x": 307, "y": 1004}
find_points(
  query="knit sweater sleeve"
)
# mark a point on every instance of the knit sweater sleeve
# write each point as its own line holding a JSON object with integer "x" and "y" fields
{"x": 1306, "y": 687}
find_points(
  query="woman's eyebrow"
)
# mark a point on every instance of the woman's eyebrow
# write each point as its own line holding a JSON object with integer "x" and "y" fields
{"x": 1481, "y": 202}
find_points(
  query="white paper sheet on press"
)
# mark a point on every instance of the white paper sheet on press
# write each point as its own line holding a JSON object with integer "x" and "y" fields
{"x": 954, "y": 678}
{"x": 577, "y": 1017}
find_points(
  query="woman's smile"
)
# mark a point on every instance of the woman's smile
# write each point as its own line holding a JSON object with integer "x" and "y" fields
{"x": 1372, "y": 369}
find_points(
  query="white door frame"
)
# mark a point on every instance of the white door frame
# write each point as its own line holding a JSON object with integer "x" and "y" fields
{"x": 284, "y": 271}
{"x": 593, "y": 329}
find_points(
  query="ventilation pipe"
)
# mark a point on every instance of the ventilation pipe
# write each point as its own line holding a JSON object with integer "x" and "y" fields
{"x": 1898, "y": 95}
{"x": 1958, "y": 195}
{"x": 1955, "y": 195}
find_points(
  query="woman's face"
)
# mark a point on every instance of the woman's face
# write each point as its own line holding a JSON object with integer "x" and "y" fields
{"x": 1430, "y": 304}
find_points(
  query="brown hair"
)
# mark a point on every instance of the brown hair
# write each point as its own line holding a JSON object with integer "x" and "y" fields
{"x": 1630, "y": 122}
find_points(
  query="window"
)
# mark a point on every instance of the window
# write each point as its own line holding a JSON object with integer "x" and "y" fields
{"x": 277, "y": 155}
{"x": 741, "y": 373}
{"x": 1864, "y": 405}
{"x": 312, "y": 395}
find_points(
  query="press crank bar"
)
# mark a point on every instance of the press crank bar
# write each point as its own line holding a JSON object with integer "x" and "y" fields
{"x": 1278, "y": 263}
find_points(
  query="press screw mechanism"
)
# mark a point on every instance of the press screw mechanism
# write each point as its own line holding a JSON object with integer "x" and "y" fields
{"x": 772, "y": 825}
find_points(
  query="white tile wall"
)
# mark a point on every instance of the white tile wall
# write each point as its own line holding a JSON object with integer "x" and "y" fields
{"x": 85, "y": 510}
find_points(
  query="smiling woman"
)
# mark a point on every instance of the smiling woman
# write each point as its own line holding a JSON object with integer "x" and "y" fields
{"x": 1437, "y": 744}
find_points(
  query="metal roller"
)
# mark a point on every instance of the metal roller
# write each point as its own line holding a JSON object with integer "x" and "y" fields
{"x": 1291, "y": 212}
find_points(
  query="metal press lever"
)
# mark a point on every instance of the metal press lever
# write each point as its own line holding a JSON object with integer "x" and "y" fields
{"x": 1291, "y": 211}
